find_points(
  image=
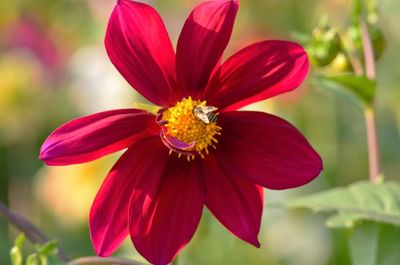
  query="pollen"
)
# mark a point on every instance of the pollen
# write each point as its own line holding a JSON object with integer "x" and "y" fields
{"x": 184, "y": 125}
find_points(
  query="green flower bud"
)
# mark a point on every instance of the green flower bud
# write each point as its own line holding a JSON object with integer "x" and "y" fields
{"x": 378, "y": 40}
{"x": 340, "y": 64}
{"x": 324, "y": 46}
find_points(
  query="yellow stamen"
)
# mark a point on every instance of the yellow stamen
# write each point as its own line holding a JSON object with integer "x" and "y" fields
{"x": 186, "y": 127}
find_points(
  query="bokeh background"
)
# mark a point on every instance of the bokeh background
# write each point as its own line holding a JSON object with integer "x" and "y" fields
{"x": 53, "y": 67}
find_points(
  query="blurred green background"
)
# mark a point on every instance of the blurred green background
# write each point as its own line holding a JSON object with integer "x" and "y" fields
{"x": 53, "y": 68}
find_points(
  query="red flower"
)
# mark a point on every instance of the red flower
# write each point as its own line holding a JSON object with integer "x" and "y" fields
{"x": 153, "y": 195}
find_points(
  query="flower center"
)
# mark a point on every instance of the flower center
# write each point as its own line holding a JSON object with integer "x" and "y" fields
{"x": 193, "y": 123}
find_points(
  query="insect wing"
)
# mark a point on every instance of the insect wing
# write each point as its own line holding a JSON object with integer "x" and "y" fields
{"x": 208, "y": 109}
{"x": 201, "y": 115}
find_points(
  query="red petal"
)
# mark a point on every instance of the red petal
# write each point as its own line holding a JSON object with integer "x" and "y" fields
{"x": 266, "y": 149}
{"x": 96, "y": 135}
{"x": 109, "y": 213}
{"x": 139, "y": 47}
{"x": 165, "y": 210}
{"x": 258, "y": 72}
{"x": 203, "y": 39}
{"x": 236, "y": 202}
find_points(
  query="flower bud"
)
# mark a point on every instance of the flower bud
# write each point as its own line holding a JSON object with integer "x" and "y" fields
{"x": 340, "y": 64}
{"x": 378, "y": 40}
{"x": 324, "y": 47}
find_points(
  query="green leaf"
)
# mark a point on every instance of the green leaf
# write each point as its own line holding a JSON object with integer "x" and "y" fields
{"x": 359, "y": 201}
{"x": 360, "y": 86}
{"x": 32, "y": 259}
{"x": 43, "y": 260}
{"x": 16, "y": 251}
{"x": 19, "y": 241}
{"x": 16, "y": 256}
{"x": 357, "y": 9}
{"x": 48, "y": 248}
{"x": 342, "y": 219}
{"x": 375, "y": 244}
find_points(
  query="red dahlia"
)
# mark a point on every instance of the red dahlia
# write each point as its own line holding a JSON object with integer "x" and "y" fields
{"x": 199, "y": 150}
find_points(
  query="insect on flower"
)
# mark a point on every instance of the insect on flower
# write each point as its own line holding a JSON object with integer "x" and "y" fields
{"x": 205, "y": 113}
{"x": 183, "y": 158}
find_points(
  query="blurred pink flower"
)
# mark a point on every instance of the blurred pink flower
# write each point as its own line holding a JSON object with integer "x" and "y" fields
{"x": 30, "y": 34}
{"x": 157, "y": 198}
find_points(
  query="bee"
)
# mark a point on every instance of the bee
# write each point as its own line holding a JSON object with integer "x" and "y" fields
{"x": 205, "y": 113}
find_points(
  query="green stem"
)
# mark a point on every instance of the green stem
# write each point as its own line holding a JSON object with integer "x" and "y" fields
{"x": 373, "y": 148}
{"x": 370, "y": 122}
{"x": 353, "y": 57}
{"x": 368, "y": 51}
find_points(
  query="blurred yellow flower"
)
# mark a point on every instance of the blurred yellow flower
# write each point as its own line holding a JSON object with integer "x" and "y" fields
{"x": 20, "y": 76}
{"x": 67, "y": 192}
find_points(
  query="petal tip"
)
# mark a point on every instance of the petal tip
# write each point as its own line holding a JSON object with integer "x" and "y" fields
{"x": 99, "y": 248}
{"x": 319, "y": 164}
{"x": 102, "y": 254}
{"x": 43, "y": 159}
{"x": 97, "y": 242}
{"x": 255, "y": 242}
{"x": 44, "y": 156}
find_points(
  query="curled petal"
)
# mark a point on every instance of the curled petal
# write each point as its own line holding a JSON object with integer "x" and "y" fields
{"x": 178, "y": 151}
{"x": 165, "y": 210}
{"x": 175, "y": 142}
{"x": 235, "y": 201}
{"x": 109, "y": 213}
{"x": 267, "y": 150}
{"x": 139, "y": 46}
{"x": 159, "y": 119}
{"x": 202, "y": 42}
{"x": 94, "y": 136}
{"x": 258, "y": 72}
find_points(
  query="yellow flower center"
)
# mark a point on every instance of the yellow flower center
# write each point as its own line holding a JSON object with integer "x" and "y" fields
{"x": 192, "y": 121}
